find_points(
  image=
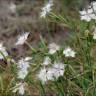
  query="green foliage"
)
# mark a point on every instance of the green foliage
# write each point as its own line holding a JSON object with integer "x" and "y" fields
{"x": 79, "y": 78}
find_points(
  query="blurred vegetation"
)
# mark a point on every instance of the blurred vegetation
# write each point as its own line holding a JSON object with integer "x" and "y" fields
{"x": 62, "y": 26}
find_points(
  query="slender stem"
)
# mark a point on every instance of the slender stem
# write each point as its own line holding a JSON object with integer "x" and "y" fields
{"x": 30, "y": 46}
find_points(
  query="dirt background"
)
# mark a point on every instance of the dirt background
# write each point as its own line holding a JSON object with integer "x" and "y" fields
{"x": 26, "y": 18}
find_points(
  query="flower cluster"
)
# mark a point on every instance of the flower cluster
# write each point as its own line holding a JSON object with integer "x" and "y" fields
{"x": 89, "y": 14}
{"x": 22, "y": 72}
{"x": 22, "y": 64}
{"x": 53, "y": 64}
{"x": 55, "y": 71}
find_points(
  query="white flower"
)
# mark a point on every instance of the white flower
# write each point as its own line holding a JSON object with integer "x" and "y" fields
{"x": 46, "y": 61}
{"x": 42, "y": 75}
{"x": 50, "y": 73}
{"x": 22, "y": 66}
{"x": 46, "y": 9}
{"x": 28, "y": 58}
{"x": 22, "y": 38}
{"x": 12, "y": 8}
{"x": 46, "y": 74}
{"x": 53, "y": 48}
{"x": 86, "y": 18}
{"x": 58, "y": 69}
{"x": 3, "y": 51}
{"x": 19, "y": 88}
{"x": 22, "y": 73}
{"x": 94, "y": 34}
{"x": 88, "y": 14}
{"x": 93, "y": 4}
{"x": 68, "y": 52}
